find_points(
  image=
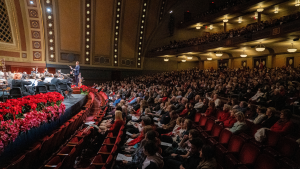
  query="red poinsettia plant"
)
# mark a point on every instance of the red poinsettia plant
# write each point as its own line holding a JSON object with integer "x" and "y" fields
{"x": 84, "y": 89}
{"x": 22, "y": 114}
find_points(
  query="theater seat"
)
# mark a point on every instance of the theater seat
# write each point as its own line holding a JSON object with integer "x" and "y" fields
{"x": 265, "y": 161}
{"x": 202, "y": 121}
{"x": 247, "y": 156}
{"x": 98, "y": 162}
{"x": 271, "y": 140}
{"x": 18, "y": 163}
{"x": 286, "y": 147}
{"x": 251, "y": 133}
{"x": 234, "y": 146}
{"x": 208, "y": 126}
{"x": 215, "y": 132}
{"x": 197, "y": 117}
{"x": 54, "y": 163}
{"x": 225, "y": 135}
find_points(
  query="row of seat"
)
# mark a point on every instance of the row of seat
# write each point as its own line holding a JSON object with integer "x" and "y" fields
{"x": 243, "y": 151}
{"x": 43, "y": 149}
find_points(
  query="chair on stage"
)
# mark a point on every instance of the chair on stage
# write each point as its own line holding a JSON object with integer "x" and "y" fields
{"x": 52, "y": 88}
{"x": 63, "y": 88}
{"x": 41, "y": 89}
{"x": 15, "y": 92}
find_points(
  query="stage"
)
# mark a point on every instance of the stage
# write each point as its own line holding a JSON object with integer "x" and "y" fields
{"x": 27, "y": 139}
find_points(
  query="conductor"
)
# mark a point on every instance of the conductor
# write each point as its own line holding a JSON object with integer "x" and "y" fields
{"x": 76, "y": 73}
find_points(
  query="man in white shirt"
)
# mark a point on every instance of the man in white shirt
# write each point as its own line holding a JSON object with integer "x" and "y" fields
{"x": 215, "y": 99}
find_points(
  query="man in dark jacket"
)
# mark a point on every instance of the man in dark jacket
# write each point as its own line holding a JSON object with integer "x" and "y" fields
{"x": 17, "y": 82}
{"x": 55, "y": 81}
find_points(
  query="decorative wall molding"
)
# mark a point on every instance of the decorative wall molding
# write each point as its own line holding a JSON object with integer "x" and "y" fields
{"x": 162, "y": 9}
{"x": 117, "y": 33}
{"x": 141, "y": 34}
{"x": 88, "y": 31}
{"x": 49, "y": 30}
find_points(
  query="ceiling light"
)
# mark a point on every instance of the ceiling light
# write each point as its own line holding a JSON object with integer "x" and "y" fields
{"x": 291, "y": 50}
{"x": 31, "y": 2}
{"x": 219, "y": 53}
{"x": 297, "y": 3}
{"x": 48, "y": 10}
{"x": 189, "y": 57}
{"x": 240, "y": 19}
{"x": 198, "y": 27}
{"x": 209, "y": 58}
{"x": 260, "y": 9}
{"x": 225, "y": 20}
{"x": 211, "y": 27}
{"x": 276, "y": 9}
{"x": 87, "y": 59}
{"x": 243, "y": 55}
{"x": 166, "y": 59}
{"x": 183, "y": 60}
{"x": 260, "y": 48}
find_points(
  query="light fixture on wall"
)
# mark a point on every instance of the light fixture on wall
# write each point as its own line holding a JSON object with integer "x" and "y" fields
{"x": 189, "y": 57}
{"x": 198, "y": 26}
{"x": 219, "y": 53}
{"x": 292, "y": 50}
{"x": 260, "y": 48}
{"x": 243, "y": 55}
{"x": 260, "y": 9}
{"x": 240, "y": 19}
{"x": 276, "y": 9}
{"x": 166, "y": 59}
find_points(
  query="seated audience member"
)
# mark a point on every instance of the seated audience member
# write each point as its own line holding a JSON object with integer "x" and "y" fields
{"x": 187, "y": 125}
{"x": 229, "y": 122}
{"x": 210, "y": 111}
{"x": 138, "y": 156}
{"x": 185, "y": 143}
{"x": 199, "y": 104}
{"x": 165, "y": 118}
{"x": 168, "y": 127}
{"x": 185, "y": 111}
{"x": 140, "y": 137}
{"x": 118, "y": 99}
{"x": 261, "y": 115}
{"x": 207, "y": 158}
{"x": 250, "y": 112}
{"x": 242, "y": 107}
{"x": 42, "y": 82}
{"x": 240, "y": 125}
{"x": 181, "y": 105}
{"x": 137, "y": 127}
{"x": 191, "y": 113}
{"x": 153, "y": 159}
{"x": 118, "y": 123}
{"x": 271, "y": 118}
{"x": 176, "y": 128}
{"x": 191, "y": 162}
{"x": 204, "y": 107}
{"x": 276, "y": 100}
{"x": 215, "y": 99}
{"x": 284, "y": 125}
{"x": 224, "y": 115}
{"x": 256, "y": 96}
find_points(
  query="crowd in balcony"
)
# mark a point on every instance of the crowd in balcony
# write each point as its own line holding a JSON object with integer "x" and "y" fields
{"x": 245, "y": 32}
{"x": 162, "y": 108}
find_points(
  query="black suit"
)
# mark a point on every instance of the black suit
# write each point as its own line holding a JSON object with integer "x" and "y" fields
{"x": 42, "y": 83}
{"x": 56, "y": 82}
{"x": 67, "y": 82}
{"x": 21, "y": 84}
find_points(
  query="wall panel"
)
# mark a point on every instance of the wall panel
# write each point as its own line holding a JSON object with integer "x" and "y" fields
{"x": 211, "y": 64}
{"x": 129, "y": 31}
{"x": 103, "y": 26}
{"x": 152, "y": 17}
{"x": 237, "y": 62}
{"x": 70, "y": 24}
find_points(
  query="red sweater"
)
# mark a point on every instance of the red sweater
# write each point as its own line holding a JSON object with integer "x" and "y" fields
{"x": 164, "y": 99}
{"x": 116, "y": 127}
{"x": 136, "y": 140}
{"x": 223, "y": 116}
{"x": 209, "y": 112}
{"x": 184, "y": 112}
{"x": 229, "y": 122}
{"x": 284, "y": 127}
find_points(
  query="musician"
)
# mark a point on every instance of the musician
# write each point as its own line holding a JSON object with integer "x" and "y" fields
{"x": 17, "y": 82}
{"x": 42, "y": 82}
{"x": 76, "y": 72}
{"x": 66, "y": 80}
{"x": 55, "y": 81}
{"x": 34, "y": 71}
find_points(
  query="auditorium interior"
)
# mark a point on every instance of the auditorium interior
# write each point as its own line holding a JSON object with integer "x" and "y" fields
{"x": 149, "y": 84}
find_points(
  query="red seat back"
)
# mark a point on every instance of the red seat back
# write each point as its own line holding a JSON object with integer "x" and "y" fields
{"x": 235, "y": 144}
{"x": 202, "y": 121}
{"x": 248, "y": 153}
{"x": 18, "y": 163}
{"x": 287, "y": 146}
{"x": 197, "y": 117}
{"x": 272, "y": 138}
{"x": 254, "y": 129}
{"x": 225, "y": 135}
{"x": 209, "y": 124}
{"x": 265, "y": 161}
{"x": 216, "y": 130}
